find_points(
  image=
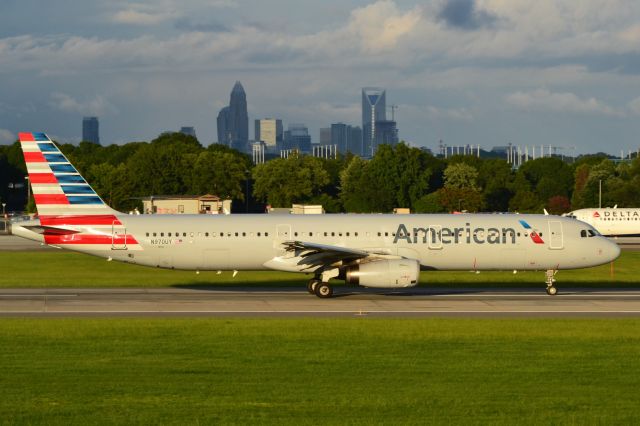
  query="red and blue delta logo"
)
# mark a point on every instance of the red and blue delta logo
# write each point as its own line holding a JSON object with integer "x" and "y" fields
{"x": 533, "y": 234}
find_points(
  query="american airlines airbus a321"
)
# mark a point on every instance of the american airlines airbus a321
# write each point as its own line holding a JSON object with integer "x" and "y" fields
{"x": 379, "y": 251}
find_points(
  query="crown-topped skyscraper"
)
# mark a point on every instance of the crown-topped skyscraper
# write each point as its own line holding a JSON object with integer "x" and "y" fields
{"x": 233, "y": 120}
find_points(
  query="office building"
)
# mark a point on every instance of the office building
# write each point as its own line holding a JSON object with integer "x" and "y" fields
{"x": 233, "y": 121}
{"x": 297, "y": 137}
{"x": 325, "y": 136}
{"x": 189, "y": 131}
{"x": 91, "y": 130}
{"x": 354, "y": 142}
{"x": 346, "y": 138}
{"x": 269, "y": 131}
{"x": 224, "y": 137}
{"x": 386, "y": 133}
{"x": 374, "y": 106}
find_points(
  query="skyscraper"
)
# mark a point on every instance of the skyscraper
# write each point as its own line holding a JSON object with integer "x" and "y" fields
{"x": 189, "y": 131}
{"x": 354, "y": 143}
{"x": 297, "y": 137}
{"x": 224, "y": 137}
{"x": 325, "y": 136}
{"x": 238, "y": 118}
{"x": 374, "y": 105}
{"x": 269, "y": 131}
{"x": 91, "y": 130}
{"x": 340, "y": 133}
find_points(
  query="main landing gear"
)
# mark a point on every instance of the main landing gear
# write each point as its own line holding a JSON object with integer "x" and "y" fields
{"x": 321, "y": 289}
{"x": 550, "y": 274}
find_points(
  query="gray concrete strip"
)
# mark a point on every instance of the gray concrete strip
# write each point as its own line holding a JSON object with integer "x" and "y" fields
{"x": 295, "y": 302}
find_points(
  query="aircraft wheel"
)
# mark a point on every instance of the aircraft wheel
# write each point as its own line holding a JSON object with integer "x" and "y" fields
{"x": 323, "y": 290}
{"x": 311, "y": 285}
{"x": 552, "y": 291}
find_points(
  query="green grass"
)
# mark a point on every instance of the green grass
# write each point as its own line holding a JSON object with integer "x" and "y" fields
{"x": 327, "y": 371}
{"x": 67, "y": 269}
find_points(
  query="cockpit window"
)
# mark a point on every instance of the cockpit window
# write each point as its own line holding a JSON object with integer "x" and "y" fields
{"x": 588, "y": 233}
{"x": 583, "y": 233}
{"x": 592, "y": 233}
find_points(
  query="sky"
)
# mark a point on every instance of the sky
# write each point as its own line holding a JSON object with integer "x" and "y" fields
{"x": 487, "y": 72}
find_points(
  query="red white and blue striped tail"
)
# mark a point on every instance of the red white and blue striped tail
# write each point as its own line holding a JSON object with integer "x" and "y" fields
{"x": 58, "y": 188}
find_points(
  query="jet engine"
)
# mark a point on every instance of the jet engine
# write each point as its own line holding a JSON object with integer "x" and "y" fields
{"x": 384, "y": 273}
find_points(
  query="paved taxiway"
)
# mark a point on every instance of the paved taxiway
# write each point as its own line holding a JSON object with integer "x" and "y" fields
{"x": 296, "y": 302}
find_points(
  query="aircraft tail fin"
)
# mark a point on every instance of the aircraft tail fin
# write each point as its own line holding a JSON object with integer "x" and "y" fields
{"x": 58, "y": 188}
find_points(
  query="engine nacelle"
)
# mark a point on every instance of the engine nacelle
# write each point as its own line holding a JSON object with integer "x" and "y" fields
{"x": 384, "y": 273}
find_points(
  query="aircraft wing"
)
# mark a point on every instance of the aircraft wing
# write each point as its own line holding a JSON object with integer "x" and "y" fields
{"x": 309, "y": 256}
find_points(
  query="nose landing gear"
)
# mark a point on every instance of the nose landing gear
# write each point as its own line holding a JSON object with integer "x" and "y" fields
{"x": 550, "y": 274}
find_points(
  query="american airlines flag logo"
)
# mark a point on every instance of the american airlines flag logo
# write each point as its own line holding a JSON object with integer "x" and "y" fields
{"x": 533, "y": 234}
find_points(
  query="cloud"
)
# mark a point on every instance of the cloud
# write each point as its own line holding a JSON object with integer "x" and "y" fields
{"x": 381, "y": 25}
{"x": 457, "y": 114}
{"x": 140, "y": 14}
{"x": 186, "y": 24}
{"x": 464, "y": 14}
{"x": 7, "y": 137}
{"x": 97, "y": 106}
{"x": 544, "y": 100}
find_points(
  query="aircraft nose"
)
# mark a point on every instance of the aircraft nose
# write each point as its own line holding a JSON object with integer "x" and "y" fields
{"x": 614, "y": 250}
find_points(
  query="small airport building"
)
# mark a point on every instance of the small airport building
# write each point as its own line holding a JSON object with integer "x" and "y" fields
{"x": 186, "y": 204}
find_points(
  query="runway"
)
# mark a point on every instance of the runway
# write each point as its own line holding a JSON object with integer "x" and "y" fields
{"x": 281, "y": 302}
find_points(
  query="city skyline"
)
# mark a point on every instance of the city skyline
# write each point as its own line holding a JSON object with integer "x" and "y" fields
{"x": 461, "y": 71}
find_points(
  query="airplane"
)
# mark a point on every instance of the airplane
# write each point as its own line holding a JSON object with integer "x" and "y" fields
{"x": 370, "y": 250}
{"x": 611, "y": 221}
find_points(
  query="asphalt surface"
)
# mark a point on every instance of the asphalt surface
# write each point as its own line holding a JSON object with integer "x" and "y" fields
{"x": 421, "y": 302}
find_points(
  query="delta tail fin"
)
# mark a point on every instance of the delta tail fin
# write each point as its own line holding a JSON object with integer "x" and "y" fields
{"x": 58, "y": 188}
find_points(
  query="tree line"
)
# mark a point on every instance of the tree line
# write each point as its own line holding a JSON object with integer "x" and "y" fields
{"x": 400, "y": 176}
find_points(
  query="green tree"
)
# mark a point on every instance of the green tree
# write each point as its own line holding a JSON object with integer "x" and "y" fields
{"x": 282, "y": 182}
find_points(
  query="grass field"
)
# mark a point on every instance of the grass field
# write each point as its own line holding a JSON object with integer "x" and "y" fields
{"x": 319, "y": 371}
{"x": 67, "y": 269}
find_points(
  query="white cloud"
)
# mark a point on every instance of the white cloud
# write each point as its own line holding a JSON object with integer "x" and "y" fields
{"x": 96, "y": 106}
{"x": 143, "y": 14}
{"x": 544, "y": 100}
{"x": 380, "y": 25}
{"x": 6, "y": 137}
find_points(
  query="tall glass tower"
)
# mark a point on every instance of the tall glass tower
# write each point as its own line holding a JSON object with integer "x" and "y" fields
{"x": 91, "y": 130}
{"x": 374, "y": 106}
{"x": 238, "y": 118}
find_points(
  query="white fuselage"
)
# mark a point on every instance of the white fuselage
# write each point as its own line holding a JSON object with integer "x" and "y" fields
{"x": 437, "y": 242}
{"x": 611, "y": 222}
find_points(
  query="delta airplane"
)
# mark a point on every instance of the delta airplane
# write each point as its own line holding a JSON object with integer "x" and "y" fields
{"x": 611, "y": 221}
{"x": 375, "y": 250}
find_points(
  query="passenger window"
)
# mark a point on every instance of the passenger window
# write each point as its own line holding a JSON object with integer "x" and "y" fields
{"x": 266, "y": 234}
{"x": 355, "y": 233}
{"x": 236, "y": 234}
{"x": 311, "y": 234}
{"x": 347, "y": 234}
{"x": 386, "y": 234}
{"x": 184, "y": 234}
{"x": 295, "y": 234}
{"x": 154, "y": 234}
{"x": 244, "y": 234}
{"x": 379, "y": 234}
{"x": 162, "y": 234}
{"x": 333, "y": 234}
{"x": 147, "y": 234}
{"x": 258, "y": 234}
{"x": 325, "y": 234}
{"x": 206, "y": 234}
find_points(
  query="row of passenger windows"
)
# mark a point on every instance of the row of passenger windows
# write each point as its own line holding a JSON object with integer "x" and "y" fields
{"x": 619, "y": 218}
{"x": 205, "y": 234}
{"x": 295, "y": 234}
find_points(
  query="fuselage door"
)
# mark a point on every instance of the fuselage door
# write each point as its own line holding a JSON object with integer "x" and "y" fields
{"x": 555, "y": 235}
{"x": 118, "y": 236}
{"x": 434, "y": 238}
